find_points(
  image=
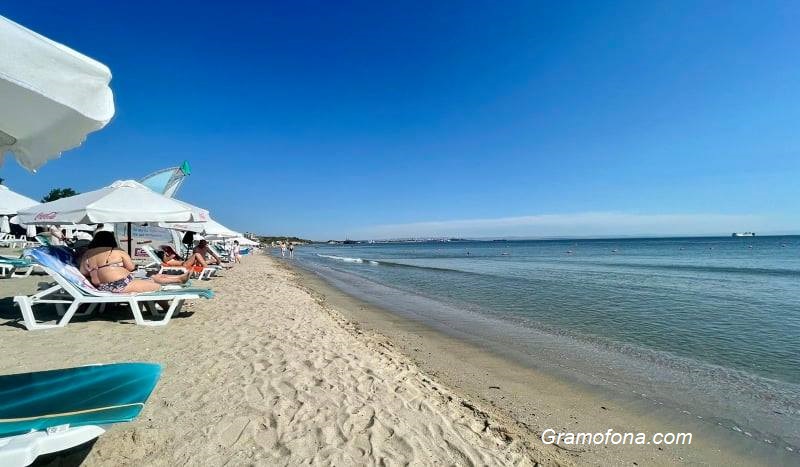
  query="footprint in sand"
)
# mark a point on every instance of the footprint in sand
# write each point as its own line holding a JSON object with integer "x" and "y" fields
{"x": 233, "y": 432}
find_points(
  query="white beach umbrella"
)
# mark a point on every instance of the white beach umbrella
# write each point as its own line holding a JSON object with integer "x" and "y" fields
{"x": 124, "y": 201}
{"x": 244, "y": 241}
{"x": 51, "y": 95}
{"x": 11, "y": 202}
{"x": 211, "y": 228}
{"x": 198, "y": 214}
{"x": 5, "y": 227}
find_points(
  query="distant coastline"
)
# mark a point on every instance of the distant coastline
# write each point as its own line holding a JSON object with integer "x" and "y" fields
{"x": 546, "y": 238}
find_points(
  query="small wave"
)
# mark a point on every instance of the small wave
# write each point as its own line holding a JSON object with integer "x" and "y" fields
{"x": 389, "y": 263}
{"x": 417, "y": 266}
{"x": 346, "y": 259}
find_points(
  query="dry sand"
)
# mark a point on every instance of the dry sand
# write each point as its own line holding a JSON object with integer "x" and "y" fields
{"x": 265, "y": 373}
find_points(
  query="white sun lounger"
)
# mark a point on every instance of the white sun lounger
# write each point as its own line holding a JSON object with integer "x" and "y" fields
{"x": 72, "y": 290}
{"x": 22, "y": 450}
{"x": 205, "y": 274}
{"x": 68, "y": 298}
{"x": 224, "y": 256}
{"x": 9, "y": 241}
{"x": 155, "y": 261}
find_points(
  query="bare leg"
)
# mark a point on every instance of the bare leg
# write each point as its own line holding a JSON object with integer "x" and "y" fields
{"x": 141, "y": 285}
{"x": 171, "y": 279}
{"x": 199, "y": 260}
{"x": 191, "y": 261}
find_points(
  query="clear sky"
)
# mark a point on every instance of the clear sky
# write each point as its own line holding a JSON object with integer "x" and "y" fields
{"x": 381, "y": 119}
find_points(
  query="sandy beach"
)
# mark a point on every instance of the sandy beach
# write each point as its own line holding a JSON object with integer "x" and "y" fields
{"x": 524, "y": 234}
{"x": 266, "y": 373}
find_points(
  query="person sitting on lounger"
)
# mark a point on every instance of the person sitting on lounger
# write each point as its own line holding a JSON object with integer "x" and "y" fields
{"x": 204, "y": 252}
{"x": 57, "y": 236}
{"x": 109, "y": 268}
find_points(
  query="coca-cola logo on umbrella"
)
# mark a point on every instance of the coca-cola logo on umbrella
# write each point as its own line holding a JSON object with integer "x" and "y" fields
{"x": 45, "y": 216}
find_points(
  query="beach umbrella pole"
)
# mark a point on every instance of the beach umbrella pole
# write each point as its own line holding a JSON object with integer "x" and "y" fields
{"x": 130, "y": 240}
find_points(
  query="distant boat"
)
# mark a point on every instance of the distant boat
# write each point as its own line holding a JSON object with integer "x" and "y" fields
{"x": 743, "y": 234}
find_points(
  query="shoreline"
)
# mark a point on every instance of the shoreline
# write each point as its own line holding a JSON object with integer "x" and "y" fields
{"x": 282, "y": 368}
{"x": 534, "y": 399}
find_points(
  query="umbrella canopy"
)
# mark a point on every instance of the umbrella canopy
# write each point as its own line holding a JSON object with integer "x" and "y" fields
{"x": 198, "y": 214}
{"x": 210, "y": 228}
{"x": 122, "y": 201}
{"x": 52, "y": 96}
{"x": 78, "y": 227}
{"x": 11, "y": 202}
{"x": 243, "y": 241}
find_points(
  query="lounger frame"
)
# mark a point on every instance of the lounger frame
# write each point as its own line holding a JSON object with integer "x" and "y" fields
{"x": 9, "y": 270}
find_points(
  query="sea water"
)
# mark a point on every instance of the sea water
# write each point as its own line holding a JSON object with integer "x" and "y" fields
{"x": 707, "y": 326}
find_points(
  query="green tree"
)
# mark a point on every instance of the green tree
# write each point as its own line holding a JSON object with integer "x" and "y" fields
{"x": 58, "y": 193}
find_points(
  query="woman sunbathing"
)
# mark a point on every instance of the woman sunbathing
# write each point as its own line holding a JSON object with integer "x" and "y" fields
{"x": 109, "y": 268}
{"x": 171, "y": 258}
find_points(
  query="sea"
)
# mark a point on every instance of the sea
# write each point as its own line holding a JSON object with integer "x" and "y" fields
{"x": 708, "y": 328}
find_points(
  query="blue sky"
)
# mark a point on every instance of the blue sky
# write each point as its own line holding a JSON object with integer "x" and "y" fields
{"x": 375, "y": 119}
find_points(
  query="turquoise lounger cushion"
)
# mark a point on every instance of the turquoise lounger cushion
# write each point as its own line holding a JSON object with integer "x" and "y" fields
{"x": 89, "y": 395}
{"x": 17, "y": 262}
{"x": 61, "y": 260}
{"x": 205, "y": 293}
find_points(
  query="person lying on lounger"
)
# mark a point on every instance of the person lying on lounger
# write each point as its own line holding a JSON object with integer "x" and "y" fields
{"x": 171, "y": 258}
{"x": 109, "y": 268}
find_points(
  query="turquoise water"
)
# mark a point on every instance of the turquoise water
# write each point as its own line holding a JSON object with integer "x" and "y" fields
{"x": 719, "y": 317}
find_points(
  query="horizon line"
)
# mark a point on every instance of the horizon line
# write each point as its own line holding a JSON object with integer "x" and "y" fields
{"x": 565, "y": 237}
